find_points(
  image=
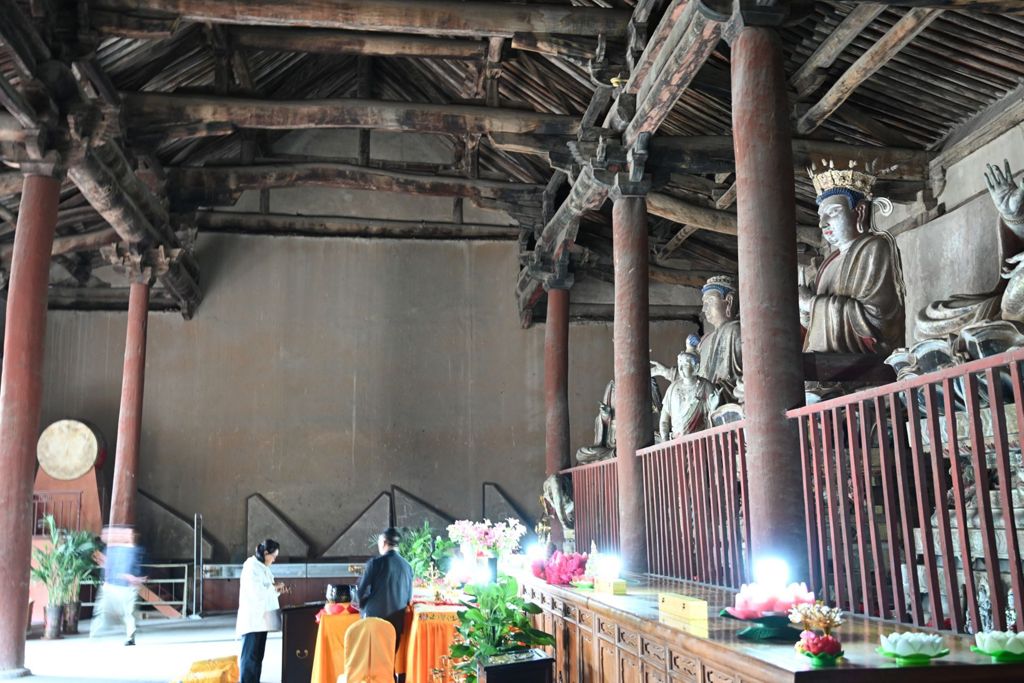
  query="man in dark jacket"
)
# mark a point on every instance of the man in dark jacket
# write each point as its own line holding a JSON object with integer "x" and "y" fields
{"x": 386, "y": 585}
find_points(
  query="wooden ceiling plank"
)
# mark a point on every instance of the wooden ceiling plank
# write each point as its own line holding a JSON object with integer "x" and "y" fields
{"x": 812, "y": 74}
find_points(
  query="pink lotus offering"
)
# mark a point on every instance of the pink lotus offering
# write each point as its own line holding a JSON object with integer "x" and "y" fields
{"x": 754, "y": 600}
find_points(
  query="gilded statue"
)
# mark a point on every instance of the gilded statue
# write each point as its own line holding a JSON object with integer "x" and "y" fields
{"x": 604, "y": 425}
{"x": 941, "y": 319}
{"x": 721, "y": 358}
{"x": 688, "y": 401}
{"x": 856, "y": 302}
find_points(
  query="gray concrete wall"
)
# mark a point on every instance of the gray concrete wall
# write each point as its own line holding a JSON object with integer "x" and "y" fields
{"x": 319, "y": 372}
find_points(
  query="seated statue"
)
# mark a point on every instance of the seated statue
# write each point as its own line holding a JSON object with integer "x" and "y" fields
{"x": 941, "y": 319}
{"x": 688, "y": 401}
{"x": 721, "y": 358}
{"x": 604, "y": 425}
{"x": 856, "y": 303}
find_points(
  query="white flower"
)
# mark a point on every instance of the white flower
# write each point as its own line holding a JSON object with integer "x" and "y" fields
{"x": 995, "y": 641}
{"x": 912, "y": 643}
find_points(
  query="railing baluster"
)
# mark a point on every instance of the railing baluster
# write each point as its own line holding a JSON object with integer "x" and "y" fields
{"x": 981, "y": 484}
{"x": 852, "y": 418}
{"x": 959, "y": 503}
{"x": 956, "y": 613}
{"x": 924, "y": 522}
{"x": 867, "y": 415}
{"x": 844, "y": 516}
{"x": 899, "y": 436}
{"x": 1002, "y": 448}
{"x": 809, "y": 519}
{"x": 731, "y": 511}
{"x": 819, "y": 499}
{"x": 890, "y": 501}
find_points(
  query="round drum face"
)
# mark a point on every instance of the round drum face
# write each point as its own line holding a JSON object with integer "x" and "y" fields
{"x": 67, "y": 449}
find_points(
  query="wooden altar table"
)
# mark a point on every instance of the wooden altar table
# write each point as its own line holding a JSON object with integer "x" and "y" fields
{"x": 619, "y": 639}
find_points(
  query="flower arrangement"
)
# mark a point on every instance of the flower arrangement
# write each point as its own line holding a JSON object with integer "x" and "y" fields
{"x": 560, "y": 569}
{"x": 912, "y": 647}
{"x": 823, "y": 648}
{"x": 1002, "y": 646}
{"x": 482, "y": 539}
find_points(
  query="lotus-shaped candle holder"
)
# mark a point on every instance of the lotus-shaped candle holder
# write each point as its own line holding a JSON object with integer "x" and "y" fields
{"x": 764, "y": 625}
{"x": 768, "y": 610}
{"x": 823, "y": 650}
{"x": 912, "y": 648}
{"x": 1002, "y": 646}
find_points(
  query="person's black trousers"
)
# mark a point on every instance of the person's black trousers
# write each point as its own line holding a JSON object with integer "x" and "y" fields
{"x": 398, "y": 621}
{"x": 251, "y": 661}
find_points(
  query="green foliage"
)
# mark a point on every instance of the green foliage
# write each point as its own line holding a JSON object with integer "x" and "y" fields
{"x": 64, "y": 563}
{"x": 496, "y": 622}
{"x": 423, "y": 550}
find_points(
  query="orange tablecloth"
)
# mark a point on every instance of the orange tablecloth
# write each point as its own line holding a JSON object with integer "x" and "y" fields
{"x": 329, "y": 656}
{"x": 429, "y": 632}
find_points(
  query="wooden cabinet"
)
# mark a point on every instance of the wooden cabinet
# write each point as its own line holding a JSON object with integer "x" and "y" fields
{"x": 629, "y": 668}
{"x": 298, "y": 641}
{"x": 607, "y": 661}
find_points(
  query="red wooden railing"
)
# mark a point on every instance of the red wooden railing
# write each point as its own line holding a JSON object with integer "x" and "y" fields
{"x": 892, "y": 477}
{"x": 596, "y": 498}
{"x": 65, "y": 506}
{"x": 694, "y": 493}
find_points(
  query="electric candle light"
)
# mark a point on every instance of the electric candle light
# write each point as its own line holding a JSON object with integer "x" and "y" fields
{"x": 769, "y": 594}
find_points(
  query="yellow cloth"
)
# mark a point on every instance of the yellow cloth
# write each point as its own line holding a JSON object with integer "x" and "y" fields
{"x": 428, "y": 639}
{"x": 329, "y": 655}
{"x": 370, "y": 652}
{"x": 220, "y": 670}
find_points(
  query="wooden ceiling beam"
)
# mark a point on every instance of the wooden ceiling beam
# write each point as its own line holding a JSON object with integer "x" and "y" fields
{"x": 148, "y": 111}
{"x": 346, "y": 226}
{"x": 874, "y": 58}
{"x": 104, "y": 299}
{"x": 422, "y": 17}
{"x": 812, "y": 74}
{"x": 333, "y": 42}
{"x": 66, "y": 244}
{"x": 221, "y": 185}
{"x": 1000, "y": 6}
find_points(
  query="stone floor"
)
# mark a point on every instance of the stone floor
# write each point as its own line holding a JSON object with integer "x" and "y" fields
{"x": 163, "y": 652}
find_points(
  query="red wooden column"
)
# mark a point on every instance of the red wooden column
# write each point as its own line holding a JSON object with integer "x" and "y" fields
{"x": 129, "y": 420}
{"x": 556, "y": 391}
{"x": 632, "y": 371}
{"x": 773, "y": 374}
{"x": 21, "y": 396}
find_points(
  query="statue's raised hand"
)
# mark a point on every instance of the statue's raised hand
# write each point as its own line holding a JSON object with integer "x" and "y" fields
{"x": 1008, "y": 197}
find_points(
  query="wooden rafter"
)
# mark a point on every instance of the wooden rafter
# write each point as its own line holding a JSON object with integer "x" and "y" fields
{"x": 431, "y": 17}
{"x": 343, "y": 226}
{"x": 812, "y": 74}
{"x": 902, "y": 33}
{"x": 327, "y": 41}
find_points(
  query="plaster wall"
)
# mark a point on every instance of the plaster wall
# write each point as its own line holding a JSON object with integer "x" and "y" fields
{"x": 319, "y": 372}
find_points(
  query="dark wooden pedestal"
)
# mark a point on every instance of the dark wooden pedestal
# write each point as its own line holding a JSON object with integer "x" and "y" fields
{"x": 539, "y": 668}
{"x": 298, "y": 626}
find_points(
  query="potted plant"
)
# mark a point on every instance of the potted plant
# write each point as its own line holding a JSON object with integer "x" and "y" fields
{"x": 52, "y": 569}
{"x": 423, "y": 550}
{"x": 495, "y": 624}
{"x": 81, "y": 547}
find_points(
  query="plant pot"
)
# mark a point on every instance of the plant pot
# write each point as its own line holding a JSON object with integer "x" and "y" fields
{"x": 53, "y": 620}
{"x": 72, "y": 612}
{"x": 529, "y": 665}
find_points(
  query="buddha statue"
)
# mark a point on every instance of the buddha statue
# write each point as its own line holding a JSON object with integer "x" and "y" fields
{"x": 688, "y": 401}
{"x": 721, "y": 358}
{"x": 558, "y": 498}
{"x": 856, "y": 302}
{"x": 941, "y": 319}
{"x": 604, "y": 425}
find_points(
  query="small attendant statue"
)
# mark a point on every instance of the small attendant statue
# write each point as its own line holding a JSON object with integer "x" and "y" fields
{"x": 604, "y": 425}
{"x": 688, "y": 400}
{"x": 721, "y": 358}
{"x": 941, "y": 319}
{"x": 856, "y": 304}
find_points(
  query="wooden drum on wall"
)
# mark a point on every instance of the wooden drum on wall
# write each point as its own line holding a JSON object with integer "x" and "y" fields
{"x": 67, "y": 449}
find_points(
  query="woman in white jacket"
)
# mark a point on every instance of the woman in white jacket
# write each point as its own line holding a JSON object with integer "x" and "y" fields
{"x": 258, "y": 608}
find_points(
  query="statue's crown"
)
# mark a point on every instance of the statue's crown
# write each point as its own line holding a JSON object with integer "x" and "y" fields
{"x": 828, "y": 181}
{"x": 723, "y": 284}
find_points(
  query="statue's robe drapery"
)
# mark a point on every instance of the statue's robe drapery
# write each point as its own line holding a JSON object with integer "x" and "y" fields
{"x": 721, "y": 358}
{"x": 686, "y": 407}
{"x": 858, "y": 305}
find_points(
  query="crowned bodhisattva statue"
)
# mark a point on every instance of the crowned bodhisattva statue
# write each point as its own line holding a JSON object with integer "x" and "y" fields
{"x": 721, "y": 357}
{"x": 688, "y": 401}
{"x": 941, "y": 319}
{"x": 856, "y": 304}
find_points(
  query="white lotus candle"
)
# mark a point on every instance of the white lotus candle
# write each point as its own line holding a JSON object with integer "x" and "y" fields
{"x": 912, "y": 643}
{"x": 996, "y": 641}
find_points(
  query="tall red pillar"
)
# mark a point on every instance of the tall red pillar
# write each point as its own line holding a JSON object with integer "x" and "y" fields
{"x": 21, "y": 397}
{"x": 632, "y": 372}
{"x": 129, "y": 420}
{"x": 556, "y": 391}
{"x": 768, "y": 289}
